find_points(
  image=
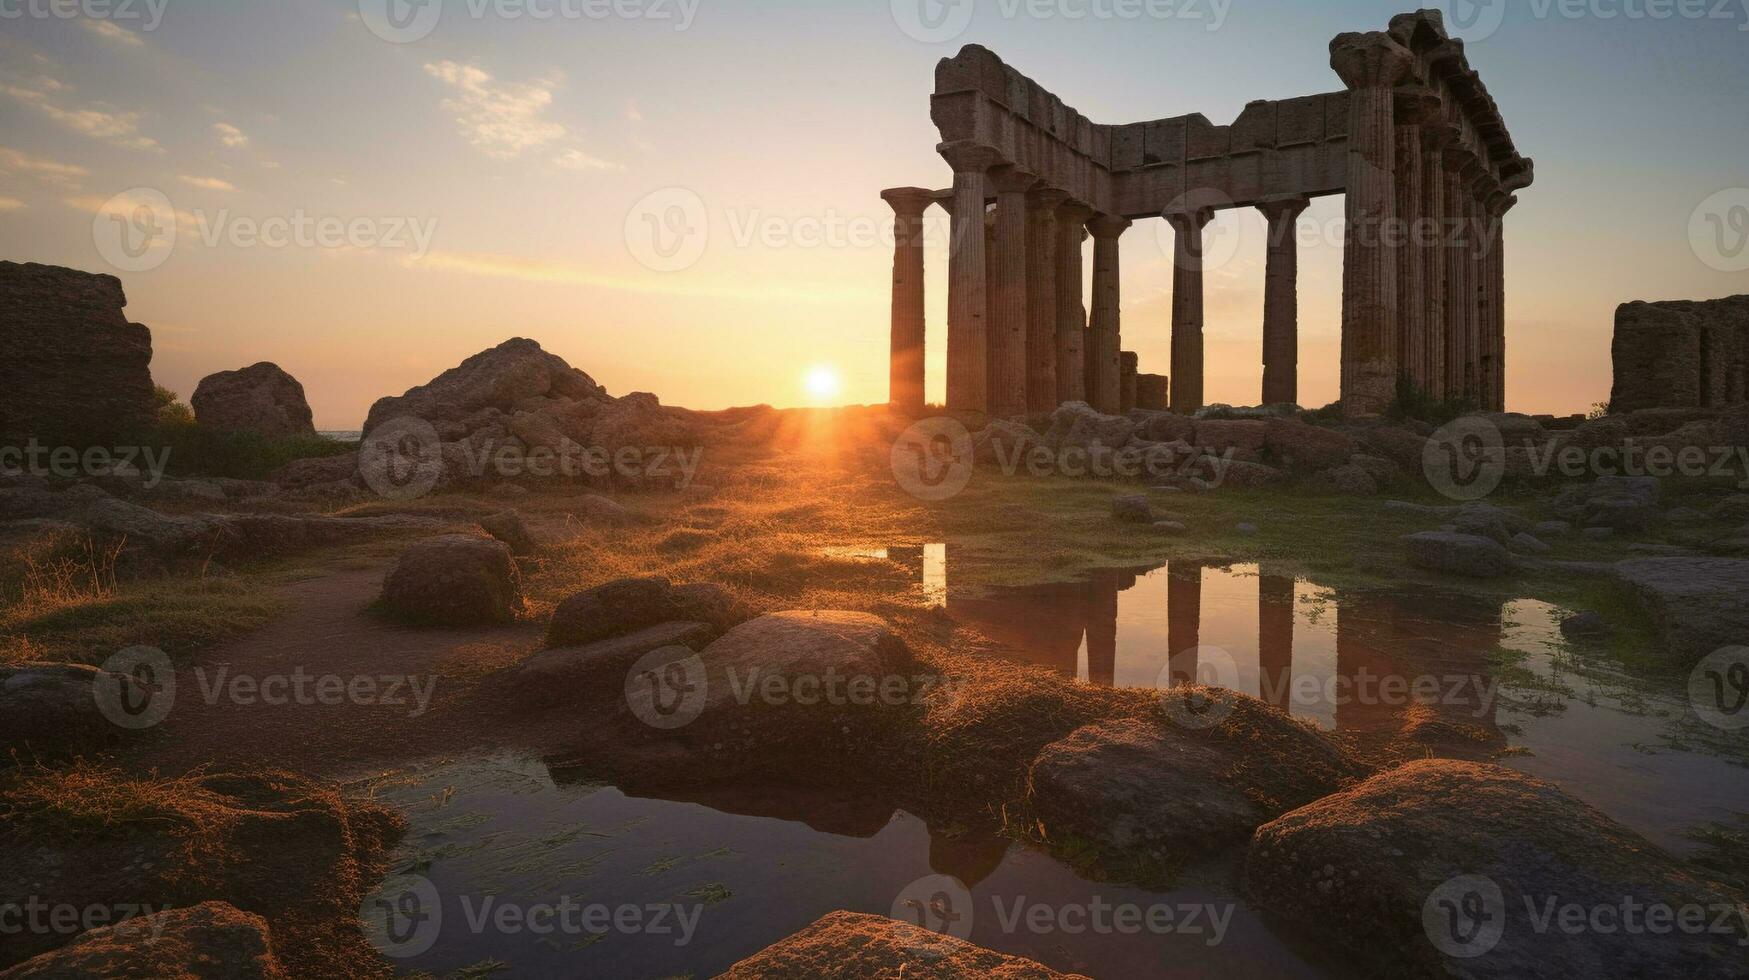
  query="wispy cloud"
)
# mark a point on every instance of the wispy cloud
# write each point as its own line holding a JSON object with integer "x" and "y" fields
{"x": 506, "y": 120}
{"x": 97, "y": 120}
{"x": 124, "y": 205}
{"x": 110, "y": 30}
{"x": 540, "y": 270}
{"x": 208, "y": 183}
{"x": 10, "y": 204}
{"x": 49, "y": 171}
{"x": 230, "y": 135}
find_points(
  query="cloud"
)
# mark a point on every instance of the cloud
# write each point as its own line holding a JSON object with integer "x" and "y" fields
{"x": 97, "y": 120}
{"x": 10, "y": 204}
{"x": 540, "y": 270}
{"x": 505, "y": 120}
{"x": 48, "y": 171}
{"x": 112, "y": 31}
{"x": 124, "y": 206}
{"x": 208, "y": 183}
{"x": 577, "y": 160}
{"x": 502, "y": 120}
{"x": 230, "y": 135}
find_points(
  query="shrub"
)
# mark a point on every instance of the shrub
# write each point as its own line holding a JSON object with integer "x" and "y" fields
{"x": 197, "y": 450}
{"x": 1414, "y": 402}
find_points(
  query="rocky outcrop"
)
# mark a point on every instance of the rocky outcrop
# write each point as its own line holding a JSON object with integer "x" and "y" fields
{"x": 52, "y": 706}
{"x": 210, "y": 941}
{"x": 1152, "y": 792}
{"x": 454, "y": 580}
{"x": 1681, "y": 354}
{"x": 260, "y": 398}
{"x": 492, "y": 388}
{"x": 73, "y": 370}
{"x": 1446, "y": 868}
{"x": 289, "y": 849}
{"x": 854, "y": 946}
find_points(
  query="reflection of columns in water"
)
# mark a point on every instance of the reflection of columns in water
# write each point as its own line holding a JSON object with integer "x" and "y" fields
{"x": 1275, "y": 639}
{"x": 1363, "y": 628}
{"x": 1102, "y": 592}
{"x": 1183, "y": 620}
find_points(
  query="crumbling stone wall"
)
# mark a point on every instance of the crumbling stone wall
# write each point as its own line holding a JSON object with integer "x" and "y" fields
{"x": 73, "y": 370}
{"x": 1681, "y": 354}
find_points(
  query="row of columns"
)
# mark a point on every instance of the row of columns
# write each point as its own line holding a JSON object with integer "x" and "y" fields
{"x": 1021, "y": 336}
{"x": 1423, "y": 289}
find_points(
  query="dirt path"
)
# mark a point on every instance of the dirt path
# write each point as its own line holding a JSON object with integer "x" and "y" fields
{"x": 333, "y": 689}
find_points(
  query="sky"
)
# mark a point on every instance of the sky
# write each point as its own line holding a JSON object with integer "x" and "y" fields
{"x": 682, "y": 196}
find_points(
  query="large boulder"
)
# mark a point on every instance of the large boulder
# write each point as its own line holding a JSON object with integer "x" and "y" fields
{"x": 1625, "y": 503}
{"x": 454, "y": 580}
{"x": 1245, "y": 437}
{"x": 1305, "y": 448}
{"x": 1458, "y": 554}
{"x": 73, "y": 370}
{"x": 1697, "y": 604}
{"x": 854, "y": 946}
{"x": 260, "y": 398}
{"x": 1149, "y": 792}
{"x": 1446, "y": 868}
{"x": 52, "y": 705}
{"x": 492, "y": 385}
{"x": 595, "y": 672}
{"x": 209, "y": 941}
{"x": 630, "y": 604}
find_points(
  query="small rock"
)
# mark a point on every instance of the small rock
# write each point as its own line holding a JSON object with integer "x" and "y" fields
{"x": 1587, "y": 625}
{"x": 1133, "y": 509}
{"x": 508, "y": 527}
{"x": 1526, "y": 544}
{"x": 1170, "y": 527}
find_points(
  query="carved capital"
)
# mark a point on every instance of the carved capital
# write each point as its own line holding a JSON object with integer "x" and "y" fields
{"x": 1013, "y": 180}
{"x": 1518, "y": 174}
{"x": 1047, "y": 199}
{"x": 909, "y": 202}
{"x": 1074, "y": 212}
{"x": 1188, "y": 220}
{"x": 1417, "y": 105}
{"x": 1107, "y": 225}
{"x": 1371, "y": 60}
{"x": 1438, "y": 134}
{"x": 965, "y": 156}
{"x": 1283, "y": 208}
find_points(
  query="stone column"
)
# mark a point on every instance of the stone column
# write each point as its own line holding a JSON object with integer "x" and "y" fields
{"x": 1435, "y": 138}
{"x": 1041, "y": 298}
{"x": 967, "y": 333}
{"x": 1103, "y": 333}
{"x": 1370, "y": 65}
{"x": 1497, "y": 280}
{"x": 1008, "y": 319}
{"x": 1127, "y": 363}
{"x": 1186, "y": 368}
{"x": 1405, "y": 238}
{"x": 1153, "y": 392}
{"x": 1281, "y": 310}
{"x": 1071, "y": 322}
{"x": 905, "y": 377}
{"x": 1459, "y": 298}
{"x": 1475, "y": 178}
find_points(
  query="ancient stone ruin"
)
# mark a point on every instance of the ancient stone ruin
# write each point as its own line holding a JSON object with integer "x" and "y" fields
{"x": 1681, "y": 354}
{"x": 1413, "y": 140}
{"x": 73, "y": 370}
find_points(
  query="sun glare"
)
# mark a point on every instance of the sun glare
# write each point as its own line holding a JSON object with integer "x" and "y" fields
{"x": 822, "y": 383}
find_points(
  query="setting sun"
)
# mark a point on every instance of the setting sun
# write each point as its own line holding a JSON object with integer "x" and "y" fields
{"x": 822, "y": 383}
